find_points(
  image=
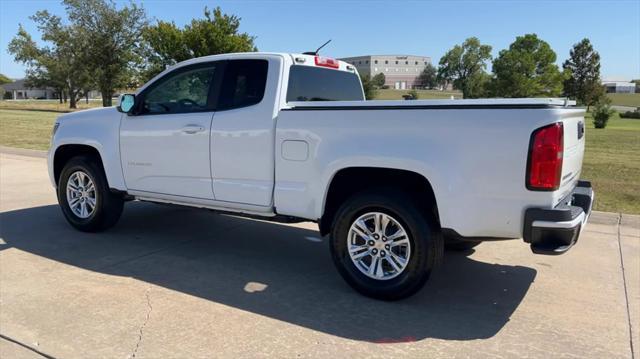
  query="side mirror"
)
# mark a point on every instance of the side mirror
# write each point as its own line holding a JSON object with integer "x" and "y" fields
{"x": 126, "y": 103}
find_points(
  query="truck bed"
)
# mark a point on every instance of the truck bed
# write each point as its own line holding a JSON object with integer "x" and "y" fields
{"x": 473, "y": 152}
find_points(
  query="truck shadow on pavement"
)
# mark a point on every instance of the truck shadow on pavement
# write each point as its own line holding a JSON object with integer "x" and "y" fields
{"x": 279, "y": 271}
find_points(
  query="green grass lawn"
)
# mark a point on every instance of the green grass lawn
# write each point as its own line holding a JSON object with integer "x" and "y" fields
{"x": 47, "y": 105}
{"x": 422, "y": 94}
{"x": 611, "y": 163}
{"x": 619, "y": 99}
{"x": 625, "y": 99}
{"x": 26, "y": 129}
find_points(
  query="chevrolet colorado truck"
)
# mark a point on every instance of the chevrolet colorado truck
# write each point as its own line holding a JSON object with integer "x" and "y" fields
{"x": 290, "y": 137}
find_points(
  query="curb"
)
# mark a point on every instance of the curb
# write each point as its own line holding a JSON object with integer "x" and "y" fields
{"x": 23, "y": 152}
{"x": 39, "y": 110}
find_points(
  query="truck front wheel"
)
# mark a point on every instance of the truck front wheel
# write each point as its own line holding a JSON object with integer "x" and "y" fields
{"x": 384, "y": 245}
{"x": 85, "y": 198}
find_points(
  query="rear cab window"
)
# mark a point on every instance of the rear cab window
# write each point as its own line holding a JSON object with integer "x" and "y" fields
{"x": 308, "y": 83}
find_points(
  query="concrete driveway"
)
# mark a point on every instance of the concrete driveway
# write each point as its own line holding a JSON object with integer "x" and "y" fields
{"x": 171, "y": 282}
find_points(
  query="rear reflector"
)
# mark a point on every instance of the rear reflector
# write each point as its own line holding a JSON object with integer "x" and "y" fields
{"x": 544, "y": 169}
{"x": 327, "y": 62}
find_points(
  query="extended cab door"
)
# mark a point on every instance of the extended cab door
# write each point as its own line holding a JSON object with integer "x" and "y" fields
{"x": 242, "y": 134}
{"x": 165, "y": 145}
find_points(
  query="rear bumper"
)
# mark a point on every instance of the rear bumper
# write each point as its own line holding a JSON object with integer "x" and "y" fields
{"x": 554, "y": 231}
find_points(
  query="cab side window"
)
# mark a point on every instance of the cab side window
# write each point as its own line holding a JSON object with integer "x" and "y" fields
{"x": 243, "y": 84}
{"x": 180, "y": 92}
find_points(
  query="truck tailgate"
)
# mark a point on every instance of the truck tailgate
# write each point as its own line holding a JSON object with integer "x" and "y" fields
{"x": 574, "y": 140}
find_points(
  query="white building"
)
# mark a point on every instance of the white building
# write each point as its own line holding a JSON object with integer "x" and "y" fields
{"x": 401, "y": 71}
{"x": 619, "y": 86}
{"x": 19, "y": 91}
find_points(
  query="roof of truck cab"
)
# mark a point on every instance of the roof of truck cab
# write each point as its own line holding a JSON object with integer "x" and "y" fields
{"x": 245, "y": 55}
{"x": 240, "y": 55}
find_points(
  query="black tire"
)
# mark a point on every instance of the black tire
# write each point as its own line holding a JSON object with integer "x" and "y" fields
{"x": 108, "y": 205}
{"x": 424, "y": 237}
{"x": 460, "y": 246}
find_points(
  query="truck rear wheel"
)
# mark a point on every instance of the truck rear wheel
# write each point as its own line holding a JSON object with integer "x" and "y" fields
{"x": 384, "y": 245}
{"x": 85, "y": 198}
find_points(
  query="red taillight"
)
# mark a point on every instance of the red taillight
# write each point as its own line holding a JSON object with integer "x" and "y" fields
{"x": 327, "y": 62}
{"x": 545, "y": 158}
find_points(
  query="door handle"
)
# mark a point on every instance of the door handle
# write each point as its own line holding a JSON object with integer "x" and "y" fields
{"x": 191, "y": 129}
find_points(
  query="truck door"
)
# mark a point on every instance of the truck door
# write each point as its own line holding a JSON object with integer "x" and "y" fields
{"x": 165, "y": 144}
{"x": 242, "y": 133}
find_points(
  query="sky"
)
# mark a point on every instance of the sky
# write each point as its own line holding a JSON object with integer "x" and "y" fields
{"x": 427, "y": 28}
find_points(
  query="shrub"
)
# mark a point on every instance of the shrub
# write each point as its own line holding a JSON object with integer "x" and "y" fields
{"x": 601, "y": 114}
{"x": 412, "y": 95}
{"x": 630, "y": 114}
{"x": 384, "y": 87}
{"x": 370, "y": 91}
{"x": 378, "y": 80}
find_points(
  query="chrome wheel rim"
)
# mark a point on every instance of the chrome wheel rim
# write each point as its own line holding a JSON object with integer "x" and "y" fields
{"x": 81, "y": 195}
{"x": 378, "y": 246}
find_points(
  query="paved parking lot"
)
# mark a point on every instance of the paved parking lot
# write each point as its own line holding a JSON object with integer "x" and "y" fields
{"x": 171, "y": 282}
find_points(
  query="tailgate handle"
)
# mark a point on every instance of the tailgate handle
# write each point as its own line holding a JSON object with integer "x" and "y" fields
{"x": 580, "y": 129}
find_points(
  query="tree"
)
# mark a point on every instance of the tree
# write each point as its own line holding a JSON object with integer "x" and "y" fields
{"x": 479, "y": 85}
{"x": 4, "y": 79}
{"x": 218, "y": 33}
{"x": 164, "y": 46}
{"x": 62, "y": 63}
{"x": 370, "y": 91}
{"x": 429, "y": 76}
{"x": 115, "y": 37}
{"x": 44, "y": 69}
{"x": 526, "y": 69}
{"x": 463, "y": 65}
{"x": 583, "y": 69}
{"x": 379, "y": 80}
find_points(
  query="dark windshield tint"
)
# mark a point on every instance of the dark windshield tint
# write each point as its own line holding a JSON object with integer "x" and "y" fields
{"x": 308, "y": 83}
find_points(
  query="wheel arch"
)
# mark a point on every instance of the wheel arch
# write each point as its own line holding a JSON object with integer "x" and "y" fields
{"x": 347, "y": 181}
{"x": 65, "y": 152}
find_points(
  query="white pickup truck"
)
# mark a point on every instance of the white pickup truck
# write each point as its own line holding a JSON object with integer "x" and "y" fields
{"x": 289, "y": 137}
